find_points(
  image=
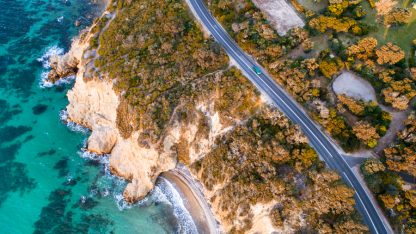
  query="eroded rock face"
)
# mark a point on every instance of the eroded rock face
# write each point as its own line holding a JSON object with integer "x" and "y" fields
{"x": 93, "y": 103}
{"x": 69, "y": 63}
{"x": 102, "y": 140}
{"x": 140, "y": 165}
{"x": 62, "y": 66}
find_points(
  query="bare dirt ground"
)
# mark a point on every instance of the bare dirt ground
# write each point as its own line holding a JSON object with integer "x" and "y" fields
{"x": 281, "y": 14}
{"x": 354, "y": 86}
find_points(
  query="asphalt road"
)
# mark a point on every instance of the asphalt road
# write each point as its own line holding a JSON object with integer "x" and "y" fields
{"x": 325, "y": 148}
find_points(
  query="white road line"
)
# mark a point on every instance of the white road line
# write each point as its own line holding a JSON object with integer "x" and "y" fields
{"x": 284, "y": 103}
{"x": 368, "y": 215}
{"x": 371, "y": 220}
{"x": 349, "y": 181}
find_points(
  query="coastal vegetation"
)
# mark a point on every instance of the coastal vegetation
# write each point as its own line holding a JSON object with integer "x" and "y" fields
{"x": 372, "y": 39}
{"x": 389, "y": 69}
{"x": 157, "y": 56}
{"x": 251, "y": 29}
{"x": 401, "y": 157}
{"x": 394, "y": 196}
{"x": 268, "y": 161}
{"x": 167, "y": 73}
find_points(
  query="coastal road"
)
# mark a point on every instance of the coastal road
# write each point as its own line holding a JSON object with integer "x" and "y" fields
{"x": 322, "y": 144}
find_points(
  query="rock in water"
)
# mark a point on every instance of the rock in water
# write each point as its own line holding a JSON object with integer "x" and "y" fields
{"x": 77, "y": 23}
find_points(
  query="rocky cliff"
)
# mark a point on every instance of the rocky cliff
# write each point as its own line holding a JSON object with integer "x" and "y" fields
{"x": 94, "y": 103}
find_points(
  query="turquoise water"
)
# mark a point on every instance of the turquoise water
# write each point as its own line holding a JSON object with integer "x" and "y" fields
{"x": 47, "y": 183}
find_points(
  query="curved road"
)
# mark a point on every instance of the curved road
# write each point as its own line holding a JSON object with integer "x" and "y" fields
{"x": 325, "y": 148}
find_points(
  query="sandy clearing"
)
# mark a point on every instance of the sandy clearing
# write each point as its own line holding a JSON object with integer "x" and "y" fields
{"x": 354, "y": 86}
{"x": 281, "y": 15}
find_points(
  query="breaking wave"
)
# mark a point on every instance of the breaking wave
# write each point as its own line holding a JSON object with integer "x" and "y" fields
{"x": 49, "y": 52}
{"x": 110, "y": 185}
{"x": 44, "y": 59}
{"x": 63, "y": 116}
{"x": 45, "y": 83}
{"x": 166, "y": 191}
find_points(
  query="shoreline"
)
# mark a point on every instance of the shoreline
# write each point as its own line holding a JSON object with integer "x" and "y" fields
{"x": 82, "y": 91}
{"x": 193, "y": 199}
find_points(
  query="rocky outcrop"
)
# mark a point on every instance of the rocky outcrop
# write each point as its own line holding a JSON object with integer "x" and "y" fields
{"x": 102, "y": 140}
{"x": 62, "y": 66}
{"x": 93, "y": 103}
{"x": 68, "y": 64}
{"x": 140, "y": 165}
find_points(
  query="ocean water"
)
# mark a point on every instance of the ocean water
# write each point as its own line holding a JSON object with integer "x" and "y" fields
{"x": 47, "y": 183}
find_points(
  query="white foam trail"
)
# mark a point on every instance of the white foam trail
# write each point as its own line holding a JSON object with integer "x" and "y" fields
{"x": 186, "y": 223}
{"x": 109, "y": 184}
{"x": 60, "y": 19}
{"x": 163, "y": 192}
{"x": 45, "y": 83}
{"x": 44, "y": 59}
{"x": 49, "y": 52}
{"x": 63, "y": 115}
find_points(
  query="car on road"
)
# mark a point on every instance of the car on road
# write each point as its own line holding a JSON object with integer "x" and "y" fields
{"x": 257, "y": 70}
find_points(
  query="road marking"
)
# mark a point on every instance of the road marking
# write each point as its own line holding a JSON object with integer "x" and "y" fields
{"x": 368, "y": 215}
{"x": 349, "y": 181}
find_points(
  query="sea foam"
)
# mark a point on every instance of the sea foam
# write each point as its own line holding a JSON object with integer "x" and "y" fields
{"x": 186, "y": 223}
{"x": 49, "y": 52}
{"x": 44, "y": 59}
{"x": 163, "y": 192}
{"x": 108, "y": 184}
{"x": 63, "y": 116}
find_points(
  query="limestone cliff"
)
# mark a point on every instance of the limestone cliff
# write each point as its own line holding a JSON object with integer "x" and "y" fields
{"x": 93, "y": 103}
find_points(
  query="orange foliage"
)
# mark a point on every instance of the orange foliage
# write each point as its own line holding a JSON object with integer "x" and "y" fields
{"x": 367, "y": 133}
{"x": 363, "y": 49}
{"x": 389, "y": 54}
{"x": 325, "y": 23}
{"x": 352, "y": 105}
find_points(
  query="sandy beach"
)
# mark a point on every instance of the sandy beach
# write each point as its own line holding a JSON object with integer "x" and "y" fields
{"x": 194, "y": 200}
